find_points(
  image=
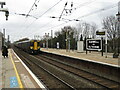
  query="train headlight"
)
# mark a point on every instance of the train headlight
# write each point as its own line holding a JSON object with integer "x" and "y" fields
{"x": 31, "y": 47}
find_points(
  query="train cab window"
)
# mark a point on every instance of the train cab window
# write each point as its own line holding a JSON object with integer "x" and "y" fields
{"x": 38, "y": 43}
{"x": 31, "y": 43}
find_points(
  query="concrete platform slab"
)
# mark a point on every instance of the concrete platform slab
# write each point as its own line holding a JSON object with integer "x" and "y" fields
{"x": 8, "y": 73}
{"x": 15, "y": 75}
{"x": 90, "y": 56}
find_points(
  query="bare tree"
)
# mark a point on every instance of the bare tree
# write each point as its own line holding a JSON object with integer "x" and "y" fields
{"x": 79, "y": 30}
{"x": 93, "y": 30}
{"x": 110, "y": 23}
{"x": 86, "y": 30}
{"x": 57, "y": 33}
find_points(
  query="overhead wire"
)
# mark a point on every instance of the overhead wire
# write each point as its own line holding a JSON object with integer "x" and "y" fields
{"x": 50, "y": 8}
{"x": 28, "y": 14}
{"x": 103, "y": 9}
{"x": 43, "y": 14}
{"x": 95, "y": 12}
{"x": 84, "y": 4}
{"x": 98, "y": 11}
{"x": 54, "y": 6}
{"x": 44, "y": 25}
{"x": 34, "y": 4}
{"x": 70, "y": 11}
{"x": 81, "y": 5}
{"x": 49, "y": 28}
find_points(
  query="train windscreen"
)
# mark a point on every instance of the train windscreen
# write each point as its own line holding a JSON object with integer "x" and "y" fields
{"x": 31, "y": 43}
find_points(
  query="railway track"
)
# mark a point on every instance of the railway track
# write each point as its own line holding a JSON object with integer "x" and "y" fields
{"x": 64, "y": 75}
{"x": 50, "y": 80}
{"x": 104, "y": 82}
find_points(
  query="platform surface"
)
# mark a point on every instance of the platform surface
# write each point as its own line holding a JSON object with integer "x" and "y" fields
{"x": 13, "y": 74}
{"x": 91, "y": 56}
{"x": 8, "y": 75}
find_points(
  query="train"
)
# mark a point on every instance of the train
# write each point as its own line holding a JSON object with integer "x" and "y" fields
{"x": 29, "y": 46}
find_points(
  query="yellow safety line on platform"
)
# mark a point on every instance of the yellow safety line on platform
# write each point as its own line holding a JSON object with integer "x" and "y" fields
{"x": 18, "y": 77}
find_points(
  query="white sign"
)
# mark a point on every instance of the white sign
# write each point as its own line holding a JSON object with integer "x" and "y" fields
{"x": 94, "y": 44}
{"x": 57, "y": 45}
{"x": 80, "y": 46}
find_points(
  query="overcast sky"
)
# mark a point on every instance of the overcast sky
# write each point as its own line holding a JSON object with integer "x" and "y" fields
{"x": 19, "y": 26}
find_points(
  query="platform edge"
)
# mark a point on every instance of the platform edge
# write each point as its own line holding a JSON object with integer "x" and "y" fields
{"x": 40, "y": 83}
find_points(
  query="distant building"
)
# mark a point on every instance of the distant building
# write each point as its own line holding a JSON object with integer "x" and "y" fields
{"x": 1, "y": 40}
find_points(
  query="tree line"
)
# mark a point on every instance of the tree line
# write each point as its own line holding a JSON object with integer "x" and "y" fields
{"x": 86, "y": 30}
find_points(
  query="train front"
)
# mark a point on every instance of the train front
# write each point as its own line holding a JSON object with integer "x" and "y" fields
{"x": 35, "y": 46}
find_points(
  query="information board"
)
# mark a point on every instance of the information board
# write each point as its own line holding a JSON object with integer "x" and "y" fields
{"x": 94, "y": 44}
{"x": 100, "y": 33}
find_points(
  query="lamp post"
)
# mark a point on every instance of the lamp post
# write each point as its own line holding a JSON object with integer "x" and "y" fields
{"x": 66, "y": 40}
{"x": 118, "y": 41}
{"x": 118, "y": 17}
{"x": 47, "y": 36}
{"x": 4, "y": 37}
{"x": 68, "y": 32}
{"x": 51, "y": 38}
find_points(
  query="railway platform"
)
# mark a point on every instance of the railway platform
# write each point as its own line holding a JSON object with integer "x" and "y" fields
{"x": 15, "y": 74}
{"x": 90, "y": 56}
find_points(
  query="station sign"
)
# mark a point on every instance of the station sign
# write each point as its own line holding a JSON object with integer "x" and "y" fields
{"x": 100, "y": 33}
{"x": 94, "y": 44}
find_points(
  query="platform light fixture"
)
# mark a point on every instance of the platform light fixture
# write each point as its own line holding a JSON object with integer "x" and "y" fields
{"x": 7, "y": 14}
{"x": 4, "y": 9}
{"x": 2, "y": 3}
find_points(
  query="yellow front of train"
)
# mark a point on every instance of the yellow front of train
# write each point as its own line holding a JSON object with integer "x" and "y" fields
{"x": 34, "y": 46}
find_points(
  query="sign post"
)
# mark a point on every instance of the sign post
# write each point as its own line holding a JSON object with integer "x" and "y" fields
{"x": 105, "y": 34}
{"x": 102, "y": 46}
{"x": 106, "y": 44}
